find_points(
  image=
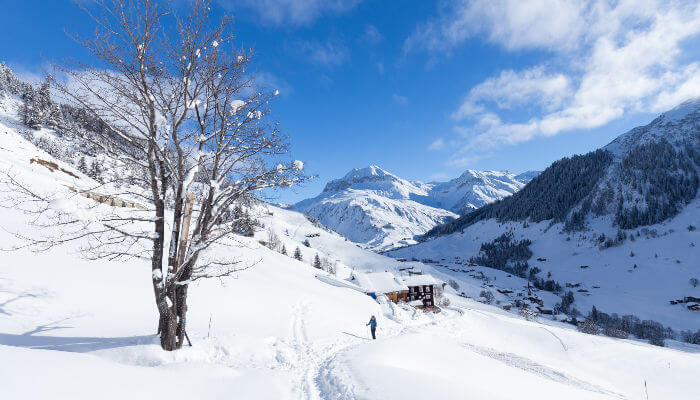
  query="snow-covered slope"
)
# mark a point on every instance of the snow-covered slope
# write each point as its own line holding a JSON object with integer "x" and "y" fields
{"x": 375, "y": 208}
{"x": 639, "y": 277}
{"x": 619, "y": 225}
{"x": 77, "y": 329}
{"x": 678, "y": 126}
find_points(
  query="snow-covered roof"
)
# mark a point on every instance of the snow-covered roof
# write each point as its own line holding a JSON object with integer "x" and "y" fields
{"x": 420, "y": 280}
{"x": 379, "y": 282}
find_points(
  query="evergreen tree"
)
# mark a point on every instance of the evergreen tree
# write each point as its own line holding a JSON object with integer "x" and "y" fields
{"x": 82, "y": 165}
{"x": 244, "y": 224}
{"x": 95, "y": 171}
{"x": 284, "y": 250}
{"x": 28, "y": 115}
{"x": 317, "y": 262}
{"x": 297, "y": 254}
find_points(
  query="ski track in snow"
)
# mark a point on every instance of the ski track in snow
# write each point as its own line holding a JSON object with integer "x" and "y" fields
{"x": 331, "y": 377}
{"x": 313, "y": 381}
{"x": 563, "y": 345}
{"x": 306, "y": 362}
{"x": 329, "y": 371}
{"x": 533, "y": 367}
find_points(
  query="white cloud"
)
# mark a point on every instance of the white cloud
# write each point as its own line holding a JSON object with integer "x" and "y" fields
{"x": 371, "y": 35}
{"x": 293, "y": 12}
{"x": 329, "y": 53}
{"x": 437, "y": 144}
{"x": 515, "y": 24}
{"x": 34, "y": 76}
{"x": 400, "y": 99}
{"x": 513, "y": 89}
{"x": 380, "y": 67}
{"x": 467, "y": 160}
{"x": 439, "y": 176}
{"x": 607, "y": 60}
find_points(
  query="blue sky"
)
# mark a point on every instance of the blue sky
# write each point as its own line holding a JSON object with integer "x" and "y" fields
{"x": 427, "y": 89}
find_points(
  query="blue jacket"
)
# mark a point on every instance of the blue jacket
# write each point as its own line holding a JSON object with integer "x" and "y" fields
{"x": 372, "y": 323}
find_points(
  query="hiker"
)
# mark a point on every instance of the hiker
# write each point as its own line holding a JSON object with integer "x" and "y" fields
{"x": 373, "y": 326}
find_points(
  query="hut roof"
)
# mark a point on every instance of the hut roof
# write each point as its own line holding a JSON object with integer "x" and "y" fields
{"x": 420, "y": 280}
{"x": 379, "y": 282}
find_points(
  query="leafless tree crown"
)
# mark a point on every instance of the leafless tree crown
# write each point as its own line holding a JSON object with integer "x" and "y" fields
{"x": 179, "y": 105}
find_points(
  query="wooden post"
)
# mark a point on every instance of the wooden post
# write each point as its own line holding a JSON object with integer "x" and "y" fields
{"x": 185, "y": 231}
{"x": 645, "y": 389}
{"x": 209, "y": 330}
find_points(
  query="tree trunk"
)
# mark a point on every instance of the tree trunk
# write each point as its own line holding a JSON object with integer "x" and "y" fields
{"x": 181, "y": 292}
{"x": 172, "y": 320}
{"x": 168, "y": 336}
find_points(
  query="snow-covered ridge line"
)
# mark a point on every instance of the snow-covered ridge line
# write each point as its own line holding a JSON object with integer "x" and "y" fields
{"x": 378, "y": 209}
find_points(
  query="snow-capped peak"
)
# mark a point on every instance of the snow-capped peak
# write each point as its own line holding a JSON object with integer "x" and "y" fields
{"x": 689, "y": 108}
{"x": 675, "y": 126}
{"x": 371, "y": 170}
{"x": 474, "y": 189}
{"x": 378, "y": 180}
{"x": 373, "y": 206}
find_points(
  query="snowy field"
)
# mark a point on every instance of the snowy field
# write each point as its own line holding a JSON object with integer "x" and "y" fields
{"x": 77, "y": 329}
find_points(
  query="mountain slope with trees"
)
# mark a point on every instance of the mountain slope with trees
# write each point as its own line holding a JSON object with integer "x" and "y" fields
{"x": 643, "y": 177}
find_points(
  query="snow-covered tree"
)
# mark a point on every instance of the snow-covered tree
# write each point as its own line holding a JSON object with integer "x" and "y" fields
{"x": 273, "y": 242}
{"x": 487, "y": 295}
{"x": 317, "y": 262}
{"x": 241, "y": 221}
{"x": 82, "y": 165}
{"x": 565, "y": 305}
{"x": 332, "y": 268}
{"x": 173, "y": 98}
{"x": 96, "y": 170}
{"x": 297, "y": 254}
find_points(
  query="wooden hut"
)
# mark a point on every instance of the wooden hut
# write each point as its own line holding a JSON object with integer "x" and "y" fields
{"x": 424, "y": 288}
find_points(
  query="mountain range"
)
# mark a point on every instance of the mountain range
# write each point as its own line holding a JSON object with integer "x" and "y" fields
{"x": 378, "y": 209}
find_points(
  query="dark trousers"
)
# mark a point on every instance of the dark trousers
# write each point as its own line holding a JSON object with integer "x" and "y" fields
{"x": 374, "y": 330}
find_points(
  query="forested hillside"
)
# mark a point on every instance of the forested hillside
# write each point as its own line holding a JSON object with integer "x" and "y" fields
{"x": 551, "y": 195}
{"x": 643, "y": 177}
